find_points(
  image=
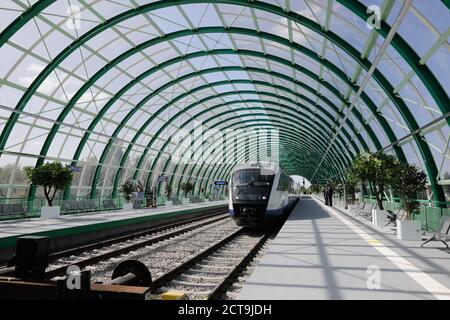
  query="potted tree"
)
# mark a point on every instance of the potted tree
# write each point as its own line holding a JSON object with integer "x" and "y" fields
{"x": 378, "y": 171}
{"x": 315, "y": 188}
{"x": 409, "y": 182}
{"x": 187, "y": 187}
{"x": 127, "y": 190}
{"x": 350, "y": 191}
{"x": 52, "y": 177}
{"x": 168, "y": 192}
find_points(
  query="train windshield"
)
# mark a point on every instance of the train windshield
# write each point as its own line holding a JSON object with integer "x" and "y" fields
{"x": 250, "y": 184}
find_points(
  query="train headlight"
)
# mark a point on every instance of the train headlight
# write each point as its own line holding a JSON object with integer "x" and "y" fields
{"x": 264, "y": 198}
{"x": 237, "y": 198}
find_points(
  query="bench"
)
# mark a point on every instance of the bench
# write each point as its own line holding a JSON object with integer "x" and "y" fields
{"x": 85, "y": 205}
{"x": 442, "y": 233}
{"x": 12, "y": 209}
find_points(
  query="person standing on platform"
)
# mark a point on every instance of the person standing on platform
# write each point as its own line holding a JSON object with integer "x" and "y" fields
{"x": 330, "y": 195}
{"x": 325, "y": 194}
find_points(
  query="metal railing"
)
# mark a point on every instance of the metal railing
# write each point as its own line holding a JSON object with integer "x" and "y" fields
{"x": 428, "y": 214}
{"x": 86, "y": 205}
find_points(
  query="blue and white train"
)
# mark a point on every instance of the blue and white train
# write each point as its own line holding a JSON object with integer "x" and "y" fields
{"x": 258, "y": 194}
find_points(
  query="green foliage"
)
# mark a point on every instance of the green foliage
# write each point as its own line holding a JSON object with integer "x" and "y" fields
{"x": 351, "y": 182}
{"x": 187, "y": 187}
{"x": 303, "y": 190}
{"x": 52, "y": 176}
{"x": 409, "y": 182}
{"x": 127, "y": 189}
{"x": 316, "y": 188}
{"x": 168, "y": 191}
{"x": 376, "y": 169}
{"x": 338, "y": 189}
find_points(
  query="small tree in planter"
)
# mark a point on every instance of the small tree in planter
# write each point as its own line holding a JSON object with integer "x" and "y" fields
{"x": 339, "y": 189}
{"x": 351, "y": 182}
{"x": 168, "y": 193}
{"x": 51, "y": 176}
{"x": 187, "y": 187}
{"x": 409, "y": 182}
{"x": 316, "y": 188}
{"x": 350, "y": 189}
{"x": 127, "y": 190}
{"x": 376, "y": 169}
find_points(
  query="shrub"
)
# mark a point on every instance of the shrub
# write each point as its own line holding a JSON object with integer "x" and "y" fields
{"x": 52, "y": 176}
{"x": 408, "y": 182}
{"x": 376, "y": 169}
{"x": 127, "y": 189}
{"x": 168, "y": 191}
{"x": 187, "y": 187}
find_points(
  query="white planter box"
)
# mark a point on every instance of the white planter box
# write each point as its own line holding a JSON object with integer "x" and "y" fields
{"x": 50, "y": 212}
{"x": 379, "y": 217}
{"x": 409, "y": 230}
{"x": 185, "y": 201}
{"x": 169, "y": 204}
{"x": 206, "y": 200}
{"x": 128, "y": 206}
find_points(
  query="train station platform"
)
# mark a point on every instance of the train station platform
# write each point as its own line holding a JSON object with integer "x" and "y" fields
{"x": 76, "y": 229}
{"x": 323, "y": 253}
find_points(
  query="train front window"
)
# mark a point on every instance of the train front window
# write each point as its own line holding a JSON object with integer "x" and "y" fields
{"x": 250, "y": 184}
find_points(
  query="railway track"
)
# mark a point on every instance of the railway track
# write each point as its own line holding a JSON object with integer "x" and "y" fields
{"x": 90, "y": 254}
{"x": 202, "y": 262}
{"x": 209, "y": 274}
{"x": 201, "y": 257}
{"x": 163, "y": 256}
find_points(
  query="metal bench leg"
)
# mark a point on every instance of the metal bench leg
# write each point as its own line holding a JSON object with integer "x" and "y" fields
{"x": 431, "y": 239}
{"x": 445, "y": 243}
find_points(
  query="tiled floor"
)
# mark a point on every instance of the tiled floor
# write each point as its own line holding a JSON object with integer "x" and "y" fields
{"x": 321, "y": 253}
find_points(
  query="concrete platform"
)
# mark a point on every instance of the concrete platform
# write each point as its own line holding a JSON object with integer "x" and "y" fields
{"x": 77, "y": 229}
{"x": 322, "y": 253}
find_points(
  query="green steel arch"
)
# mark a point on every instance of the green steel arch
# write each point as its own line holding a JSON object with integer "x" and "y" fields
{"x": 283, "y": 141}
{"x": 311, "y": 54}
{"x": 235, "y": 102}
{"x": 430, "y": 82}
{"x": 287, "y": 78}
{"x": 328, "y": 166}
{"x": 203, "y": 112}
{"x": 101, "y": 72}
{"x": 237, "y": 117}
{"x": 195, "y": 104}
{"x": 285, "y": 131}
{"x": 148, "y": 73}
{"x": 336, "y": 70}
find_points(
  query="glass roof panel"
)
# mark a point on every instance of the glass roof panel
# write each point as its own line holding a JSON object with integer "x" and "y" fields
{"x": 115, "y": 90}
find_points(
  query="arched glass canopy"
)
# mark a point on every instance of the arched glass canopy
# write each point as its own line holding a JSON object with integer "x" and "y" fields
{"x": 109, "y": 86}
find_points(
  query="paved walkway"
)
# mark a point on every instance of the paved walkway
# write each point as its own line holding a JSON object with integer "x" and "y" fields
{"x": 321, "y": 253}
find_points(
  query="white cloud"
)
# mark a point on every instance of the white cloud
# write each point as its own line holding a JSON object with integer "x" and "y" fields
{"x": 49, "y": 84}
{"x": 35, "y": 68}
